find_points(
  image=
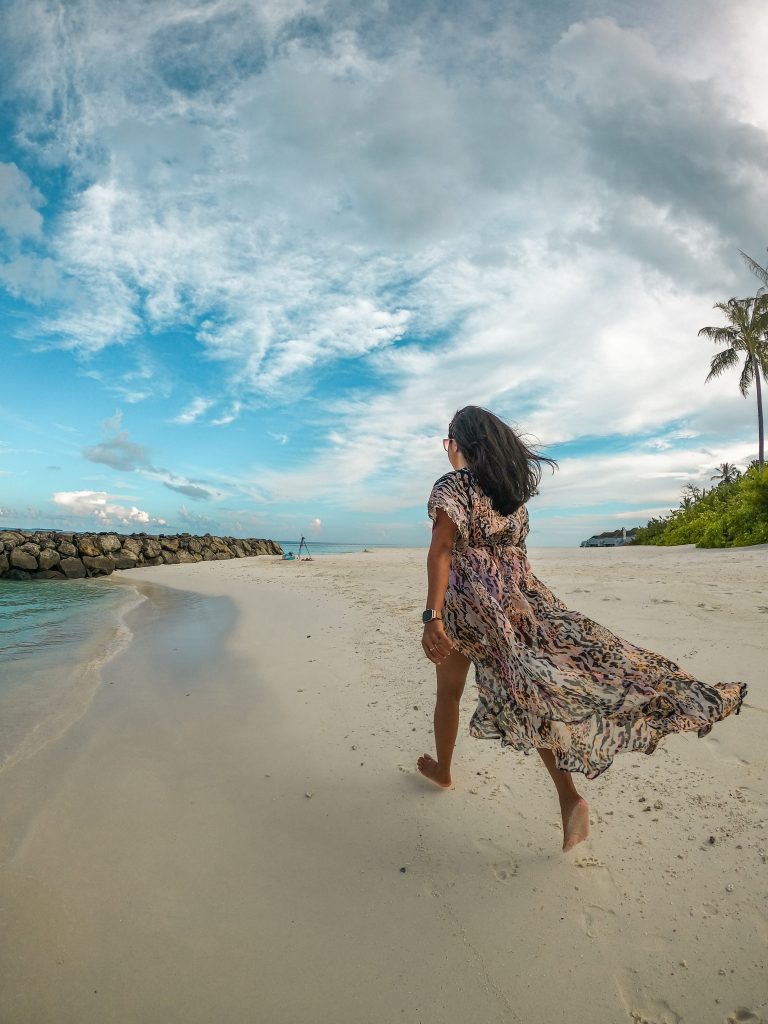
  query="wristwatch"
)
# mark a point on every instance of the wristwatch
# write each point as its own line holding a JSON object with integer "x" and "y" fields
{"x": 430, "y": 614}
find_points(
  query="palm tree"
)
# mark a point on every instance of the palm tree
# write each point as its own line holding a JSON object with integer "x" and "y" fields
{"x": 727, "y": 473}
{"x": 694, "y": 492}
{"x": 761, "y": 273}
{"x": 746, "y": 331}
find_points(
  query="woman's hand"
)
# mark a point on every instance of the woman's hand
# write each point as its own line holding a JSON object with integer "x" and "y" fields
{"x": 436, "y": 642}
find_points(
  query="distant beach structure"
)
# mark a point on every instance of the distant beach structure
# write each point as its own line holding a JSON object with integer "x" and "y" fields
{"x": 611, "y": 539}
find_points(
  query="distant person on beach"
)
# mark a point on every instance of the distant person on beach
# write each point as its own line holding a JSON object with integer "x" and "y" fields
{"x": 548, "y": 677}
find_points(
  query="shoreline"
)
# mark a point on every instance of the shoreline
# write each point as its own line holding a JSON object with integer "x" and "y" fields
{"x": 64, "y": 688}
{"x": 222, "y": 834}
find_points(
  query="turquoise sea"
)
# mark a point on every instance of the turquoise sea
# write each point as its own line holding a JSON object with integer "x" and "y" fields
{"x": 54, "y": 637}
{"x": 324, "y": 548}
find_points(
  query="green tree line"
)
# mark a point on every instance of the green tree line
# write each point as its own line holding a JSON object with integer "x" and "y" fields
{"x": 734, "y": 512}
{"x": 731, "y": 514}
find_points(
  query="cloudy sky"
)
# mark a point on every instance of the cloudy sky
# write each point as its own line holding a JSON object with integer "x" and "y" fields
{"x": 254, "y": 254}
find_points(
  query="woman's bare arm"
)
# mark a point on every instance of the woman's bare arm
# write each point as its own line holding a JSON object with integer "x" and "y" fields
{"x": 435, "y": 641}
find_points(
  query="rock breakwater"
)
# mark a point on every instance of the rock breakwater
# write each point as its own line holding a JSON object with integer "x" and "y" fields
{"x": 49, "y": 554}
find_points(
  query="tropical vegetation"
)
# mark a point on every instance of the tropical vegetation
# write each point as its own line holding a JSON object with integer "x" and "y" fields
{"x": 734, "y": 512}
{"x": 731, "y": 514}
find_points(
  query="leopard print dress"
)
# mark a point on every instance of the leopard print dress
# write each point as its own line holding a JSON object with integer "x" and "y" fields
{"x": 547, "y": 675}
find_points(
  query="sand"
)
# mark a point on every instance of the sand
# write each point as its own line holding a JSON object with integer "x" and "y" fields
{"x": 234, "y": 830}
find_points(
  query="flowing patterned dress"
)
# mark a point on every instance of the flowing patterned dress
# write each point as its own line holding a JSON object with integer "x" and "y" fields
{"x": 547, "y": 675}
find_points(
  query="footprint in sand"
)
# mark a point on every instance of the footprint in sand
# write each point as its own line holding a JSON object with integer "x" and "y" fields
{"x": 667, "y": 1016}
{"x": 505, "y": 870}
{"x": 598, "y": 921}
{"x": 741, "y": 1015}
{"x": 600, "y": 885}
{"x": 661, "y": 600}
{"x": 589, "y": 862}
{"x": 506, "y": 867}
{"x": 641, "y": 1007}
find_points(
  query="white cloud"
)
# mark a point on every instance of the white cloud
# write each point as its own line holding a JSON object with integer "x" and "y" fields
{"x": 19, "y": 204}
{"x": 112, "y": 424}
{"x": 98, "y": 505}
{"x": 194, "y": 410}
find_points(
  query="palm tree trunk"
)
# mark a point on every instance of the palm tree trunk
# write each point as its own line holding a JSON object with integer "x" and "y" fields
{"x": 760, "y": 432}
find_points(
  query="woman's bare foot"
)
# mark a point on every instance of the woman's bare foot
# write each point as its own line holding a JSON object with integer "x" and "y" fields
{"x": 575, "y": 823}
{"x": 431, "y": 770}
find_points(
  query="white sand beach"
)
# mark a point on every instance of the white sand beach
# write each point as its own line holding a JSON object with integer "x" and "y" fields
{"x": 235, "y": 831}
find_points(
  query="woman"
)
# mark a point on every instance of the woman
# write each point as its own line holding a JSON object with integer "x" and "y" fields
{"x": 548, "y": 677}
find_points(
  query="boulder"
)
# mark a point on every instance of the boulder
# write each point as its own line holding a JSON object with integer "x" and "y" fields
{"x": 4, "y": 563}
{"x": 185, "y": 556}
{"x": 21, "y": 559}
{"x": 125, "y": 559}
{"x": 11, "y": 539}
{"x": 30, "y": 548}
{"x": 99, "y": 565}
{"x": 18, "y": 574}
{"x": 151, "y": 548}
{"x": 170, "y": 543}
{"x": 195, "y": 545}
{"x": 72, "y": 568}
{"x": 47, "y": 558}
{"x": 108, "y": 542}
{"x": 66, "y": 547}
{"x": 87, "y": 545}
{"x": 170, "y": 558}
{"x": 132, "y": 545}
{"x": 50, "y": 574}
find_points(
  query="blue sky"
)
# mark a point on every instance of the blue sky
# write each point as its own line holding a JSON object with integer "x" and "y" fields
{"x": 253, "y": 256}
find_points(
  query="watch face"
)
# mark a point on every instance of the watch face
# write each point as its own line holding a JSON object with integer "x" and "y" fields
{"x": 427, "y": 616}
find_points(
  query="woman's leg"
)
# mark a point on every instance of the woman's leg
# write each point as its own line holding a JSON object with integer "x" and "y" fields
{"x": 574, "y": 809}
{"x": 451, "y": 677}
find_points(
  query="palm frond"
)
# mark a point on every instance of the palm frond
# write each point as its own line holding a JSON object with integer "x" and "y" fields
{"x": 721, "y": 362}
{"x": 724, "y": 306}
{"x": 754, "y": 266}
{"x": 747, "y": 376}
{"x": 720, "y": 335}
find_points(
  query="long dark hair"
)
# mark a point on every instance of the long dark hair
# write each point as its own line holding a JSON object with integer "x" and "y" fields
{"x": 506, "y": 469}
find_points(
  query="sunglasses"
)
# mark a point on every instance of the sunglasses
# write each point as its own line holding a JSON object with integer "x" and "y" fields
{"x": 447, "y": 442}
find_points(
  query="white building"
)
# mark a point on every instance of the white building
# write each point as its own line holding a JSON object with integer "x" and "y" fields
{"x": 613, "y": 539}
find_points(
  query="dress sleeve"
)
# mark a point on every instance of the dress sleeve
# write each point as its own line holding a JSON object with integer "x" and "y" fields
{"x": 524, "y": 527}
{"x": 450, "y": 494}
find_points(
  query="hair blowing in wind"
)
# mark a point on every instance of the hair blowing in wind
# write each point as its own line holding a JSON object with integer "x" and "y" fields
{"x": 507, "y": 469}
